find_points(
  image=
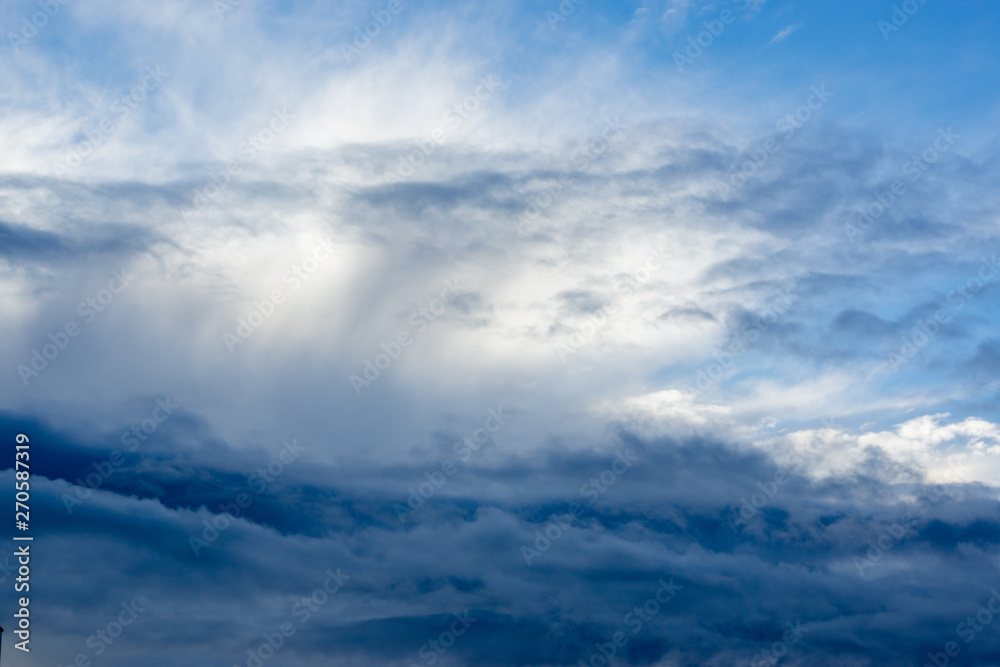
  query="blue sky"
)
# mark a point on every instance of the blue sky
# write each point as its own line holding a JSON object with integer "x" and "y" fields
{"x": 532, "y": 314}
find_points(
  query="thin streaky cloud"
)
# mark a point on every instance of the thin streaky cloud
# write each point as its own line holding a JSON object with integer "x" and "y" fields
{"x": 785, "y": 33}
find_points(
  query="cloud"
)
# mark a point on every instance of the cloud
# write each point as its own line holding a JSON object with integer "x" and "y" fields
{"x": 782, "y": 34}
{"x": 478, "y": 213}
{"x": 666, "y": 519}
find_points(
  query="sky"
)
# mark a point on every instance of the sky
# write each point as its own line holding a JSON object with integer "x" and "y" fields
{"x": 405, "y": 333}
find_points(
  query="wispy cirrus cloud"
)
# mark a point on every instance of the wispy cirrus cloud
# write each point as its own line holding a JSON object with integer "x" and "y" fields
{"x": 782, "y": 34}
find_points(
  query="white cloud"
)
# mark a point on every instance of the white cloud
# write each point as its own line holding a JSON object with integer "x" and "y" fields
{"x": 785, "y": 33}
{"x": 956, "y": 452}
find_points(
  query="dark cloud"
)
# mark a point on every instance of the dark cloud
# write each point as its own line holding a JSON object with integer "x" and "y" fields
{"x": 668, "y": 518}
{"x": 540, "y": 537}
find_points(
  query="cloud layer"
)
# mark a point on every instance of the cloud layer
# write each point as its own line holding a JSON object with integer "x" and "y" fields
{"x": 438, "y": 334}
